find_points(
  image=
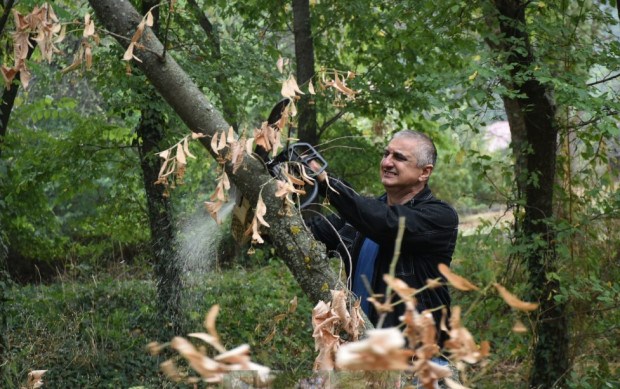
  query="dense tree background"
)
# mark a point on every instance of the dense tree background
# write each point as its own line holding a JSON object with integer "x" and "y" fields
{"x": 78, "y": 153}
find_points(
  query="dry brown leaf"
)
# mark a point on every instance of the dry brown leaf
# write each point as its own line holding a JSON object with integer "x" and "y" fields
{"x": 270, "y": 337}
{"x": 222, "y": 143}
{"x": 89, "y": 57}
{"x": 249, "y": 146}
{"x": 519, "y": 327}
{"x": 513, "y": 301}
{"x": 213, "y": 208}
{"x": 214, "y": 144}
{"x": 129, "y": 52}
{"x": 170, "y": 370}
{"x": 261, "y": 210}
{"x": 186, "y": 148}
{"x": 379, "y": 306}
{"x": 342, "y": 87}
{"x": 287, "y": 89}
{"x": 180, "y": 155}
{"x": 209, "y": 339}
{"x": 155, "y": 348}
{"x": 279, "y": 317}
{"x": 210, "y": 321}
{"x": 254, "y": 232}
{"x": 400, "y": 287}
{"x": 225, "y": 181}
{"x": 339, "y": 305}
{"x": 311, "y": 88}
{"x": 219, "y": 193}
{"x": 24, "y": 77}
{"x": 240, "y": 354}
{"x": 149, "y": 19}
{"x": 34, "y": 379}
{"x": 294, "y": 85}
{"x": 456, "y": 280}
{"x": 293, "y": 305}
{"x": 286, "y": 188}
{"x": 280, "y": 64}
{"x": 293, "y": 179}
{"x": 139, "y": 31}
{"x": 8, "y": 74}
{"x": 453, "y": 384}
{"x": 202, "y": 364}
{"x": 383, "y": 349}
{"x": 461, "y": 344}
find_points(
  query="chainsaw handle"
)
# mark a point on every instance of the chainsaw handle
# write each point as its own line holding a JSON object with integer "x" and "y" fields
{"x": 310, "y": 199}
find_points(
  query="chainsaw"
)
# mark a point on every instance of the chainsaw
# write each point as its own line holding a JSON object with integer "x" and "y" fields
{"x": 293, "y": 160}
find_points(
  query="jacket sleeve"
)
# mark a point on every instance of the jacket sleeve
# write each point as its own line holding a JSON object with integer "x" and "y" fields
{"x": 325, "y": 229}
{"x": 429, "y": 226}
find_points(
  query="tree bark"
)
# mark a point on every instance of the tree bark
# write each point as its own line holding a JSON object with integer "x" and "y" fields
{"x": 538, "y": 112}
{"x": 304, "y": 58}
{"x": 5, "y": 282}
{"x": 303, "y": 255}
{"x": 151, "y": 132}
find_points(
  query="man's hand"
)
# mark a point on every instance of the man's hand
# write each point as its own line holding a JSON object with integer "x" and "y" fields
{"x": 314, "y": 165}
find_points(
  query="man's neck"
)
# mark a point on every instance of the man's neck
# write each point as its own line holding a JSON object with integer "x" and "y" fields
{"x": 400, "y": 196}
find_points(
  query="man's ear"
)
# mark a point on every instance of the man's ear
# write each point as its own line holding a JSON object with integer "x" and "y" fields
{"x": 426, "y": 172}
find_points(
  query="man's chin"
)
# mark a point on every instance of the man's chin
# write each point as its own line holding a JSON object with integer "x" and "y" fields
{"x": 387, "y": 182}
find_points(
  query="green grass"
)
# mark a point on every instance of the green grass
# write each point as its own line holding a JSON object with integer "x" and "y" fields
{"x": 93, "y": 334}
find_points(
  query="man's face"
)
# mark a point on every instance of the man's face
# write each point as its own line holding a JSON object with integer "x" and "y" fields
{"x": 399, "y": 166}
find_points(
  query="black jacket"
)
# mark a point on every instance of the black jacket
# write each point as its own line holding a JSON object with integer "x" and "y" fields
{"x": 429, "y": 239}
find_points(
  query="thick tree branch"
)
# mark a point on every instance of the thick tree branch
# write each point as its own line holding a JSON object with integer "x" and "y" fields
{"x": 303, "y": 255}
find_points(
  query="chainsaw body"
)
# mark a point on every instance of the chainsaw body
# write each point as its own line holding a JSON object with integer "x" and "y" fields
{"x": 292, "y": 161}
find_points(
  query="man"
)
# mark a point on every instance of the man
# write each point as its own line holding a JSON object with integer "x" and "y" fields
{"x": 368, "y": 227}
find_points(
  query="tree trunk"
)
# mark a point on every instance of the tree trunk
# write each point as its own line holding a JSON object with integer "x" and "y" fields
{"x": 304, "y": 57}
{"x": 151, "y": 132}
{"x": 5, "y": 282}
{"x": 538, "y": 113}
{"x": 303, "y": 255}
{"x": 9, "y": 95}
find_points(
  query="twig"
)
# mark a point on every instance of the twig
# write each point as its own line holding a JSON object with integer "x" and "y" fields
{"x": 163, "y": 55}
{"x": 399, "y": 241}
{"x": 603, "y": 80}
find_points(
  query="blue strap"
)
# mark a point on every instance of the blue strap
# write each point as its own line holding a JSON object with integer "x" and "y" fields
{"x": 365, "y": 266}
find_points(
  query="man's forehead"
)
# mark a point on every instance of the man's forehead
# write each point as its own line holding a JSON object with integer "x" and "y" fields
{"x": 402, "y": 145}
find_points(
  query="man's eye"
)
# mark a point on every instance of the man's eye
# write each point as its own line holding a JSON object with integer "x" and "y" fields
{"x": 386, "y": 153}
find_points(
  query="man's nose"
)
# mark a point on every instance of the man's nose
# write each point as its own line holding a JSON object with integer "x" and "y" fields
{"x": 387, "y": 161}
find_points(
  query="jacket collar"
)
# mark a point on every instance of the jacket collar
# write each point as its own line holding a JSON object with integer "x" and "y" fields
{"x": 424, "y": 194}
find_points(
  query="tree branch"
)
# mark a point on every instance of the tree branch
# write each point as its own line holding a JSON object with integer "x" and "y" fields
{"x": 603, "y": 80}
